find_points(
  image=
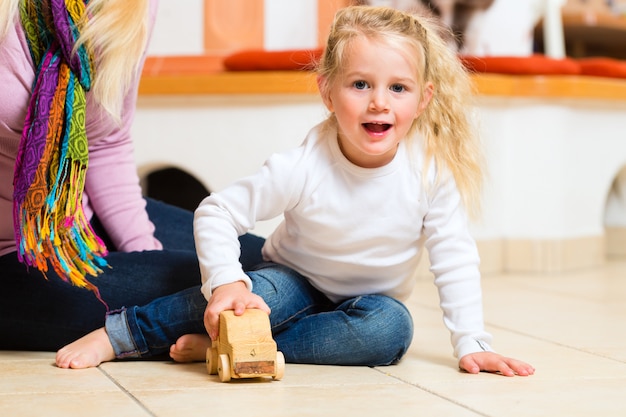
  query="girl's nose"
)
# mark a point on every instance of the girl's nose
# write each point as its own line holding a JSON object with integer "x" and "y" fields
{"x": 379, "y": 100}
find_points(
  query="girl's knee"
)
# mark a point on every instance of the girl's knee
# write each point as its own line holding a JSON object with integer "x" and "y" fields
{"x": 387, "y": 327}
{"x": 384, "y": 313}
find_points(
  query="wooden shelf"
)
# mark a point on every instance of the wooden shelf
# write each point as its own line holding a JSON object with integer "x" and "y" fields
{"x": 301, "y": 82}
{"x": 551, "y": 87}
{"x": 225, "y": 82}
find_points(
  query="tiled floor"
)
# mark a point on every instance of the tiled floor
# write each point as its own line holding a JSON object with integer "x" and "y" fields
{"x": 570, "y": 326}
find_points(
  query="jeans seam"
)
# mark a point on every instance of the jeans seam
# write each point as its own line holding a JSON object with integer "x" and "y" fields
{"x": 296, "y": 314}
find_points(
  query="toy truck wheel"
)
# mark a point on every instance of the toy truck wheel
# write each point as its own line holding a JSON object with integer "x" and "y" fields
{"x": 280, "y": 366}
{"x": 211, "y": 360}
{"x": 223, "y": 368}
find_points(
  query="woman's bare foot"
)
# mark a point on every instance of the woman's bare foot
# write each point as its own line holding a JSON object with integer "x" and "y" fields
{"x": 190, "y": 348}
{"x": 88, "y": 351}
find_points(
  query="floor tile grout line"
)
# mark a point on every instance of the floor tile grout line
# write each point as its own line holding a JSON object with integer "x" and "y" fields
{"x": 553, "y": 292}
{"x": 126, "y": 392}
{"x": 428, "y": 391}
{"x": 553, "y": 342}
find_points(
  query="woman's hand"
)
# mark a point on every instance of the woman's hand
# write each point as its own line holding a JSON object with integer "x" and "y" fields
{"x": 493, "y": 362}
{"x": 234, "y": 296}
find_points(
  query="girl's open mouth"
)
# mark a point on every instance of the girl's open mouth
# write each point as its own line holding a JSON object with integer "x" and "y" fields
{"x": 377, "y": 127}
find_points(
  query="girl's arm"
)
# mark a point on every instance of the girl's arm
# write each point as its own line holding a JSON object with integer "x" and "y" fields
{"x": 222, "y": 217}
{"x": 454, "y": 261}
{"x": 225, "y": 215}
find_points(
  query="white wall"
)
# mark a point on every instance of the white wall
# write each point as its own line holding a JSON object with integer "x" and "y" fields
{"x": 220, "y": 139}
{"x": 551, "y": 164}
{"x": 179, "y": 30}
{"x": 290, "y": 24}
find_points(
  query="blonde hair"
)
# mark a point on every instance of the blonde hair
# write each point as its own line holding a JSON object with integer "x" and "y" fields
{"x": 450, "y": 138}
{"x": 117, "y": 32}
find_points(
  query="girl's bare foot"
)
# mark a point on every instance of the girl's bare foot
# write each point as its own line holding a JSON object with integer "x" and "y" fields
{"x": 190, "y": 348}
{"x": 88, "y": 351}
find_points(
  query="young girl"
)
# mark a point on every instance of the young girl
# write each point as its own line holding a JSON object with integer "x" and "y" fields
{"x": 392, "y": 169}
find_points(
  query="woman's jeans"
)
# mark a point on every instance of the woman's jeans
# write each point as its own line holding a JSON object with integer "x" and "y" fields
{"x": 45, "y": 314}
{"x": 366, "y": 330}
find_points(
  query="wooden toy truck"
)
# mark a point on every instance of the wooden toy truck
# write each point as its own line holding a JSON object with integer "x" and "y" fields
{"x": 245, "y": 348}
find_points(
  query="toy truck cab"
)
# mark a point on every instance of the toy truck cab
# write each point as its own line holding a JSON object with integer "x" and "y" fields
{"x": 245, "y": 348}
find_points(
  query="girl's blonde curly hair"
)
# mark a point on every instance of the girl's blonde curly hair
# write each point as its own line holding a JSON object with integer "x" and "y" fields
{"x": 450, "y": 136}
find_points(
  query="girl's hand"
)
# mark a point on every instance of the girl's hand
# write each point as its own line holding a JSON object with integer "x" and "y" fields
{"x": 493, "y": 362}
{"x": 234, "y": 296}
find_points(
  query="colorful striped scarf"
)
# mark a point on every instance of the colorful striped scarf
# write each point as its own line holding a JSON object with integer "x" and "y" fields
{"x": 50, "y": 225}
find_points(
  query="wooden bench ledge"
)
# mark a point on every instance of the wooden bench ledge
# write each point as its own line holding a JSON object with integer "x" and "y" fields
{"x": 205, "y": 75}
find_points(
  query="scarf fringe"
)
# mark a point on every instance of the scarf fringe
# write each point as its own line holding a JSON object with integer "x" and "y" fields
{"x": 63, "y": 239}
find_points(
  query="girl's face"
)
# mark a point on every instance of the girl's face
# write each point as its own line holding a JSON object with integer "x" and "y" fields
{"x": 375, "y": 100}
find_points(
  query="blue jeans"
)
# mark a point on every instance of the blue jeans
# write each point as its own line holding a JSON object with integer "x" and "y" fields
{"x": 368, "y": 330}
{"x": 45, "y": 314}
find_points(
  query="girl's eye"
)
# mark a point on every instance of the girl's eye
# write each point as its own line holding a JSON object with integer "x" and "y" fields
{"x": 360, "y": 85}
{"x": 397, "y": 88}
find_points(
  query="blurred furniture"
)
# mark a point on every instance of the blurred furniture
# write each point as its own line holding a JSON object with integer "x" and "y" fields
{"x": 590, "y": 32}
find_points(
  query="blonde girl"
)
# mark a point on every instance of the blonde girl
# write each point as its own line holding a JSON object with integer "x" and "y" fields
{"x": 449, "y": 137}
{"x": 391, "y": 171}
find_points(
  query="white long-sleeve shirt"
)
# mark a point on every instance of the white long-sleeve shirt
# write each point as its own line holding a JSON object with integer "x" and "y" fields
{"x": 350, "y": 230}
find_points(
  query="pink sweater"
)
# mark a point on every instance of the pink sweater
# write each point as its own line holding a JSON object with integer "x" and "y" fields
{"x": 112, "y": 188}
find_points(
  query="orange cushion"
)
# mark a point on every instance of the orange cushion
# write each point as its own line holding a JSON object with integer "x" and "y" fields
{"x": 259, "y": 60}
{"x": 306, "y": 59}
{"x": 529, "y": 65}
{"x": 603, "y": 67}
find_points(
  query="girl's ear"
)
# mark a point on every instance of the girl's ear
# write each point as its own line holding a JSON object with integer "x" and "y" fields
{"x": 322, "y": 86}
{"x": 427, "y": 95}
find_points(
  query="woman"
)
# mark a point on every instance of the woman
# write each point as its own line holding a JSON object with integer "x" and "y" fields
{"x": 69, "y": 71}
